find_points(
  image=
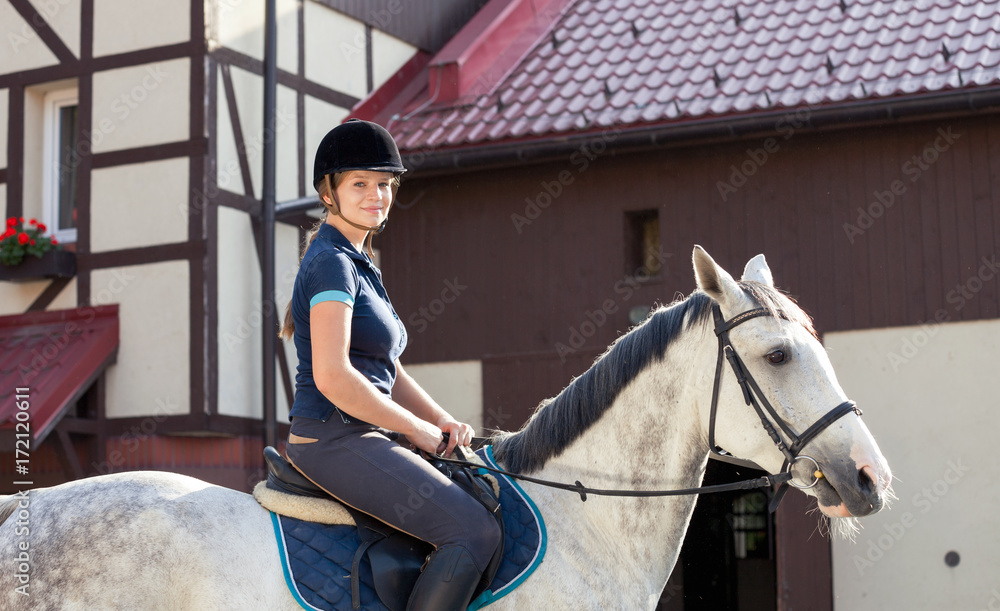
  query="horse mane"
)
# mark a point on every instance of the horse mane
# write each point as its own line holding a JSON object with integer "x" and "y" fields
{"x": 559, "y": 421}
{"x": 7, "y": 506}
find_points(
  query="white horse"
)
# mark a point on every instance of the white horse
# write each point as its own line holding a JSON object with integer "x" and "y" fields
{"x": 638, "y": 419}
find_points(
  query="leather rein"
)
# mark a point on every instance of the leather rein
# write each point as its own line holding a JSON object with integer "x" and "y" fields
{"x": 751, "y": 390}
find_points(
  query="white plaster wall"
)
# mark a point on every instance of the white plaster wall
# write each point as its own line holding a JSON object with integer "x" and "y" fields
{"x": 152, "y": 375}
{"x": 141, "y": 105}
{"x": 248, "y": 89}
{"x": 20, "y": 48}
{"x": 240, "y": 26}
{"x": 930, "y": 398}
{"x": 287, "y": 147}
{"x": 456, "y": 385}
{"x": 66, "y": 299}
{"x": 239, "y": 331}
{"x": 335, "y": 50}
{"x": 388, "y": 55}
{"x": 4, "y": 97}
{"x": 288, "y": 35}
{"x": 64, "y": 18}
{"x": 128, "y": 25}
{"x": 228, "y": 175}
{"x": 15, "y": 297}
{"x": 240, "y": 320}
{"x": 139, "y": 205}
{"x": 32, "y": 155}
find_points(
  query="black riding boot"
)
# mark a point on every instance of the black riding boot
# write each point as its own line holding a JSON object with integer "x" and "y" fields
{"x": 447, "y": 582}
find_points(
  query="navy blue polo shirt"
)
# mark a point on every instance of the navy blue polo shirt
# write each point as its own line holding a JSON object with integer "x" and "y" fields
{"x": 334, "y": 270}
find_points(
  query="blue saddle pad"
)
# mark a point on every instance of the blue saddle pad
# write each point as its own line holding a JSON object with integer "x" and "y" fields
{"x": 317, "y": 558}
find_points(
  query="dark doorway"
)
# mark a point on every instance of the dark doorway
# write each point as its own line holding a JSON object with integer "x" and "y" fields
{"x": 727, "y": 562}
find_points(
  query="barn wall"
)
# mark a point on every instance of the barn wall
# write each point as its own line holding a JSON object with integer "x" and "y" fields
{"x": 541, "y": 270}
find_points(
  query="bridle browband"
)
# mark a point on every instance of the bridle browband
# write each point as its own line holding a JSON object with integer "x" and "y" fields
{"x": 751, "y": 391}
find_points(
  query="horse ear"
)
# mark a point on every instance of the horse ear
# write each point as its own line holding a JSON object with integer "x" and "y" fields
{"x": 758, "y": 270}
{"x": 713, "y": 280}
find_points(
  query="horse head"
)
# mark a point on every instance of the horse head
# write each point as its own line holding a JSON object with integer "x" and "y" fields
{"x": 781, "y": 353}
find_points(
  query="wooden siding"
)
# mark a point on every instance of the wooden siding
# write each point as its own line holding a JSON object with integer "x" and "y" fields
{"x": 524, "y": 290}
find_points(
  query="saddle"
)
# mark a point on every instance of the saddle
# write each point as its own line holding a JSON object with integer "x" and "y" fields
{"x": 396, "y": 558}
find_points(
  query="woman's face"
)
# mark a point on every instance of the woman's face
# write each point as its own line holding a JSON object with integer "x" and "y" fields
{"x": 365, "y": 196}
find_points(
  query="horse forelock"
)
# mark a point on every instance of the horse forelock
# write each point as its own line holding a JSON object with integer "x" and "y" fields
{"x": 777, "y": 304}
{"x": 559, "y": 421}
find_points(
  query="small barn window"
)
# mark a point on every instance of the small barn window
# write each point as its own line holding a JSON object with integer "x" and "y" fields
{"x": 642, "y": 242}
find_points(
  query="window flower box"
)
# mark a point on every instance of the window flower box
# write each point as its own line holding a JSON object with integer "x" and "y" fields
{"x": 53, "y": 264}
{"x": 26, "y": 253}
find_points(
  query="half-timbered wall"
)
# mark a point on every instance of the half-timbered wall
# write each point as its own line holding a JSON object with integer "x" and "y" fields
{"x": 169, "y": 178}
{"x": 139, "y": 150}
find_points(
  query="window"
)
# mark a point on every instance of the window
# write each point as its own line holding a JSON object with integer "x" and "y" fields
{"x": 60, "y": 158}
{"x": 642, "y": 242}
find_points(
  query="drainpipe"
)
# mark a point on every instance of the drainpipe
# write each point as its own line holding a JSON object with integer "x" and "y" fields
{"x": 268, "y": 316}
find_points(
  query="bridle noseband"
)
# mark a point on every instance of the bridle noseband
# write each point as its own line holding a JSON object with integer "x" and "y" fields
{"x": 751, "y": 392}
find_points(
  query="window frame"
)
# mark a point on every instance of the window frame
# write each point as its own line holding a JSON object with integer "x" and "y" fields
{"x": 53, "y": 103}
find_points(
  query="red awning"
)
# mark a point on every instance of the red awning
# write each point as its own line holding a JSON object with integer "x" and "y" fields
{"x": 53, "y": 358}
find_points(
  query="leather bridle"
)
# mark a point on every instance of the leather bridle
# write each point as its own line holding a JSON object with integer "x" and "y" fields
{"x": 751, "y": 392}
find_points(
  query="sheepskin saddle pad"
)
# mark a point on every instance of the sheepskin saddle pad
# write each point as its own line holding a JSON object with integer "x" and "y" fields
{"x": 318, "y": 544}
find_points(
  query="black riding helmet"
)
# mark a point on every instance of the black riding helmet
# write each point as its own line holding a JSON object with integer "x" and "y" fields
{"x": 356, "y": 145}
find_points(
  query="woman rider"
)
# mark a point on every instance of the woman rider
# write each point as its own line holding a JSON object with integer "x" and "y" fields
{"x": 350, "y": 385}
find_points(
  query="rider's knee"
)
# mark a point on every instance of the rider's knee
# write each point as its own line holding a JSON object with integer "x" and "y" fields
{"x": 484, "y": 532}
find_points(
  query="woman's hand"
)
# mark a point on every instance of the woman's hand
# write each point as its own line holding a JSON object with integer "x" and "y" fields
{"x": 459, "y": 433}
{"x": 425, "y": 436}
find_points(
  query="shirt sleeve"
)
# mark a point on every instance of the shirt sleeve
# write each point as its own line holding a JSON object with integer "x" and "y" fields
{"x": 331, "y": 276}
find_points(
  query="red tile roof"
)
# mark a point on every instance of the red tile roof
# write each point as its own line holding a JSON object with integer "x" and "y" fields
{"x": 56, "y": 356}
{"x": 530, "y": 69}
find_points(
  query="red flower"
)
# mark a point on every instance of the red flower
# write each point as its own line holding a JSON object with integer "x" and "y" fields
{"x": 11, "y": 222}
{"x": 10, "y": 231}
{"x": 54, "y": 243}
{"x": 41, "y": 227}
{"x": 21, "y": 219}
{"x": 22, "y": 238}
{"x": 32, "y": 243}
{"x": 33, "y": 222}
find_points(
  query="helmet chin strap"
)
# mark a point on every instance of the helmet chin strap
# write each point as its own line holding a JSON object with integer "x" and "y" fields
{"x": 334, "y": 208}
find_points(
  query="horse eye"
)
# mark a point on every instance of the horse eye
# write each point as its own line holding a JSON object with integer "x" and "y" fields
{"x": 776, "y": 358}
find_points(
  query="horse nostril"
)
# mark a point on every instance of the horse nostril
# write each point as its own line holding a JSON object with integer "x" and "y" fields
{"x": 868, "y": 480}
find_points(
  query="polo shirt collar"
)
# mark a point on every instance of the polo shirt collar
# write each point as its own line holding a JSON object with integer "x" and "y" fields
{"x": 331, "y": 233}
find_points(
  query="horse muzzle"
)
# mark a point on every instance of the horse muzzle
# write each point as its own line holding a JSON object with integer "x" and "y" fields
{"x": 852, "y": 491}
